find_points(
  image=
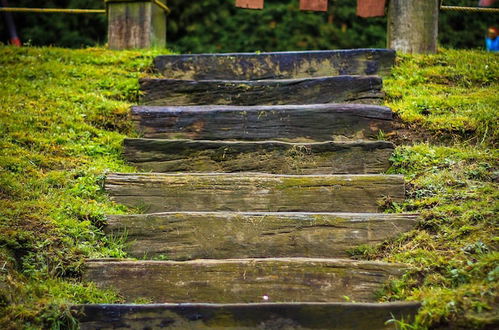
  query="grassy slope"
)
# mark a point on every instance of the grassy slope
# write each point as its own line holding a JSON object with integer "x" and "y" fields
{"x": 62, "y": 122}
{"x": 451, "y": 100}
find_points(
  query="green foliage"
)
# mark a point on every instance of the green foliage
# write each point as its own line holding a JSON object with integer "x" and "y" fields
{"x": 62, "y": 125}
{"x": 218, "y": 26}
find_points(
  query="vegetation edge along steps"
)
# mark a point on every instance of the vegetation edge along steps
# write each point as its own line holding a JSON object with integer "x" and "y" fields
{"x": 176, "y": 109}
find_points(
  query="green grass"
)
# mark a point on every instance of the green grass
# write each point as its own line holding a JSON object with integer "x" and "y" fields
{"x": 448, "y": 105}
{"x": 63, "y": 116}
{"x": 452, "y": 94}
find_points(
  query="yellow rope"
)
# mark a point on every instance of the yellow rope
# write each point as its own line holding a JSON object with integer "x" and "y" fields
{"x": 472, "y": 9}
{"x": 163, "y": 6}
{"x": 72, "y": 11}
{"x": 159, "y": 3}
{"x": 53, "y": 10}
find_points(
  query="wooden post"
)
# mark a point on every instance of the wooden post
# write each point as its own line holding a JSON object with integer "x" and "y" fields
{"x": 136, "y": 24}
{"x": 413, "y": 26}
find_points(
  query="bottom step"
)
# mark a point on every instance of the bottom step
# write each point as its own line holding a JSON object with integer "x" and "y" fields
{"x": 244, "y": 280}
{"x": 246, "y": 316}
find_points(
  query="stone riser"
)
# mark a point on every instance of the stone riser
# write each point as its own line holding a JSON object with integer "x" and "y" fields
{"x": 259, "y": 192}
{"x": 361, "y": 157}
{"x": 340, "y": 89}
{"x": 333, "y": 316}
{"x": 244, "y": 280}
{"x": 224, "y": 235}
{"x": 316, "y": 122}
{"x": 277, "y": 65}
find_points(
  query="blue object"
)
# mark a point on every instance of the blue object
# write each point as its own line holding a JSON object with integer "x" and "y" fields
{"x": 492, "y": 45}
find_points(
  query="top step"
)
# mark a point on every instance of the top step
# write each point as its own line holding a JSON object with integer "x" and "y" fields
{"x": 276, "y": 65}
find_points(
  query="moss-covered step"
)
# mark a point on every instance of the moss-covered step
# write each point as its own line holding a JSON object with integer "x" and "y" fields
{"x": 158, "y": 155}
{"x": 339, "y": 89}
{"x": 335, "y": 316}
{"x": 276, "y": 65}
{"x": 158, "y": 192}
{"x": 221, "y": 235}
{"x": 318, "y": 122}
{"x": 244, "y": 280}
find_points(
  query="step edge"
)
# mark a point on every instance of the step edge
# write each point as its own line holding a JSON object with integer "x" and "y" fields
{"x": 261, "y": 81}
{"x": 347, "y": 262}
{"x": 383, "y": 143}
{"x": 221, "y": 107}
{"x": 215, "y": 305}
{"x": 313, "y": 51}
{"x": 247, "y": 174}
{"x": 378, "y": 112}
{"x": 352, "y": 214}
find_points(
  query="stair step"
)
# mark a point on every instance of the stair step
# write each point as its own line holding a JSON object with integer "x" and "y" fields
{"x": 320, "y": 122}
{"x": 158, "y": 155}
{"x": 339, "y": 89}
{"x": 337, "y": 316}
{"x": 219, "y": 235}
{"x": 157, "y": 192}
{"x": 276, "y": 65}
{"x": 244, "y": 280}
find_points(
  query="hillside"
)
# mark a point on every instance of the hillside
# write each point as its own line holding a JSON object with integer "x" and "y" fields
{"x": 63, "y": 120}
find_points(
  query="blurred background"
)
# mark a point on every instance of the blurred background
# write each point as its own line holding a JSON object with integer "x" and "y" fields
{"x": 218, "y": 26}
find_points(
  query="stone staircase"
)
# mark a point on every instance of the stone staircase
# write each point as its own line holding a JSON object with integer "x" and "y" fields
{"x": 261, "y": 171}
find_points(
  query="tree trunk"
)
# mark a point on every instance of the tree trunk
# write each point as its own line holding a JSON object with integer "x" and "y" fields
{"x": 413, "y": 26}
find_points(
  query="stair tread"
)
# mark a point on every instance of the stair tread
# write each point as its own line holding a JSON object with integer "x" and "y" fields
{"x": 160, "y": 192}
{"x": 356, "y": 143}
{"x": 336, "y": 89}
{"x": 319, "y": 122}
{"x": 295, "y": 64}
{"x": 244, "y": 280}
{"x": 160, "y": 155}
{"x": 185, "y": 235}
{"x": 246, "y": 316}
{"x": 302, "y": 315}
{"x": 340, "y": 261}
